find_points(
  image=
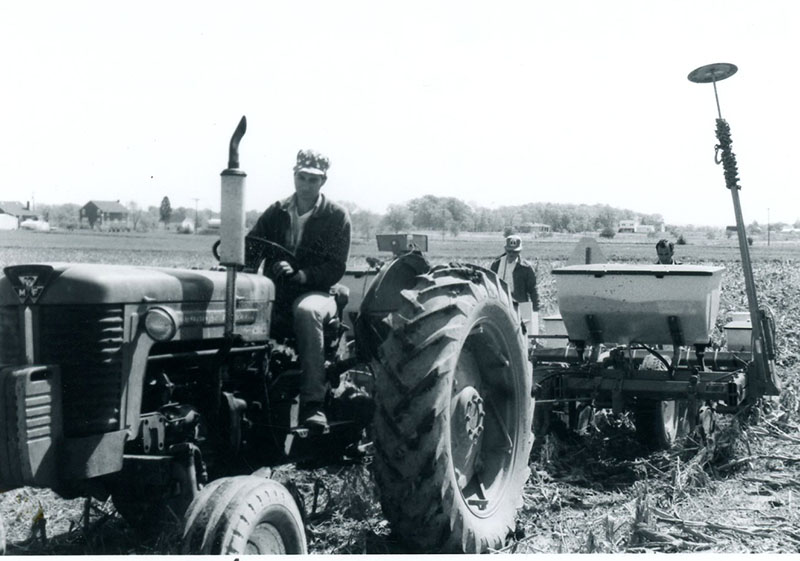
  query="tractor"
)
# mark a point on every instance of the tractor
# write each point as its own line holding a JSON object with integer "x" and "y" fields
{"x": 171, "y": 390}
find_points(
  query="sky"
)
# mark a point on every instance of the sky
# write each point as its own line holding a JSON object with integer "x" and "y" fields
{"x": 496, "y": 103}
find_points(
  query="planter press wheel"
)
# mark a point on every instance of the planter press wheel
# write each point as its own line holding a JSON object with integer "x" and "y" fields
{"x": 453, "y": 417}
{"x": 707, "y": 426}
{"x": 660, "y": 424}
{"x": 244, "y": 515}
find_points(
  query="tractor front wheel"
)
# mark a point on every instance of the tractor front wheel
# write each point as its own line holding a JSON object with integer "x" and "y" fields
{"x": 244, "y": 515}
{"x": 454, "y": 411}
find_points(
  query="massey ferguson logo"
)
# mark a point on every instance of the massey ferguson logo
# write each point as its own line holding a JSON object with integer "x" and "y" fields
{"x": 29, "y": 281}
{"x": 29, "y": 289}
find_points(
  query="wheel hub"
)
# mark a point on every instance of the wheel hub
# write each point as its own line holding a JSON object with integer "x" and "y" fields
{"x": 466, "y": 426}
{"x": 469, "y": 412}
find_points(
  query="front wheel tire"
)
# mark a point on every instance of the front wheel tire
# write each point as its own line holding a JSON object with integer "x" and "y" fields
{"x": 244, "y": 515}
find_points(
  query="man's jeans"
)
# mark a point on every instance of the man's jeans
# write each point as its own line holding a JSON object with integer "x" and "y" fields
{"x": 311, "y": 312}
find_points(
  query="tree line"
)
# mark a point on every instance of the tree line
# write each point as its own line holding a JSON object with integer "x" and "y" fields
{"x": 449, "y": 215}
{"x": 446, "y": 214}
{"x": 452, "y": 216}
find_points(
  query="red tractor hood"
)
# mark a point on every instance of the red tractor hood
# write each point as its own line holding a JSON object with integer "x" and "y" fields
{"x": 68, "y": 283}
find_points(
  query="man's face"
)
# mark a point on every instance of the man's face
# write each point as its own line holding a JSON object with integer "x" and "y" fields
{"x": 308, "y": 185}
{"x": 664, "y": 255}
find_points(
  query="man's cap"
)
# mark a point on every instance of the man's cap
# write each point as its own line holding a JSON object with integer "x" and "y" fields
{"x": 513, "y": 243}
{"x": 309, "y": 161}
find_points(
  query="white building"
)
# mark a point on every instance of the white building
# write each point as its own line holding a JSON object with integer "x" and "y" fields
{"x": 187, "y": 226}
{"x": 633, "y": 227}
{"x": 8, "y": 222}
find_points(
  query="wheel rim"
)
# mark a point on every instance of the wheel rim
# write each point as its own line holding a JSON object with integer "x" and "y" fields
{"x": 265, "y": 539}
{"x": 484, "y": 430}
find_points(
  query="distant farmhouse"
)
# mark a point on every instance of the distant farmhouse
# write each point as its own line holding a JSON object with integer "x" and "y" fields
{"x": 633, "y": 227}
{"x": 534, "y": 228}
{"x": 104, "y": 213}
{"x": 12, "y": 214}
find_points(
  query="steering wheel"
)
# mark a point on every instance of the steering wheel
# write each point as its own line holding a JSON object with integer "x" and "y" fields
{"x": 257, "y": 250}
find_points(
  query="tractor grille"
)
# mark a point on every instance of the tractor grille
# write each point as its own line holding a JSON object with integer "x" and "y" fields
{"x": 11, "y": 349}
{"x": 86, "y": 342}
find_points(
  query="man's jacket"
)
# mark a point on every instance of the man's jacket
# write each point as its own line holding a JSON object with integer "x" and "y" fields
{"x": 524, "y": 281}
{"x": 324, "y": 247}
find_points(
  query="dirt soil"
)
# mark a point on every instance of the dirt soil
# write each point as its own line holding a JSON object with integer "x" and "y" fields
{"x": 593, "y": 492}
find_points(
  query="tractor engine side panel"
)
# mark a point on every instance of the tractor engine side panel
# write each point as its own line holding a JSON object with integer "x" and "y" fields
{"x": 87, "y": 323}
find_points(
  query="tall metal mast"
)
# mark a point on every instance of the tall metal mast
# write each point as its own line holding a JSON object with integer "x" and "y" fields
{"x": 765, "y": 380}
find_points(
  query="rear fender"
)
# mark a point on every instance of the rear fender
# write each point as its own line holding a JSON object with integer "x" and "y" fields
{"x": 384, "y": 297}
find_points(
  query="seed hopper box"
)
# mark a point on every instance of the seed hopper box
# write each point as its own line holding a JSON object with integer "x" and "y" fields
{"x": 738, "y": 335}
{"x": 553, "y": 330}
{"x": 650, "y": 304}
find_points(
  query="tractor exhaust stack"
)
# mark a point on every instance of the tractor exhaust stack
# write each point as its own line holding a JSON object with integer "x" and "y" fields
{"x": 232, "y": 224}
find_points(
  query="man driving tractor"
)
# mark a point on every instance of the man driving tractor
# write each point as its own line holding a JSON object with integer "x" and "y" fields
{"x": 317, "y": 231}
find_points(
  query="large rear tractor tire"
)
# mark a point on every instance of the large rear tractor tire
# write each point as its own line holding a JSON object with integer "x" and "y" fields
{"x": 243, "y": 515}
{"x": 453, "y": 418}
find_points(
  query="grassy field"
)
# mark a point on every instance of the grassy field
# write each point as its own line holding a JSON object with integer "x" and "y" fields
{"x": 775, "y": 265}
{"x": 168, "y": 249}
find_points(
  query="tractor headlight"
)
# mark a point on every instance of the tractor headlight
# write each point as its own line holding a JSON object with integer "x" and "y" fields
{"x": 160, "y": 324}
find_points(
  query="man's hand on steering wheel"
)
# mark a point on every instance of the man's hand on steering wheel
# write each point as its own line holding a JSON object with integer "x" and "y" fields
{"x": 278, "y": 261}
{"x": 284, "y": 269}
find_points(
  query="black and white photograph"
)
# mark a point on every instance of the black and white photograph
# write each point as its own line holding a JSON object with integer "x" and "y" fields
{"x": 346, "y": 277}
